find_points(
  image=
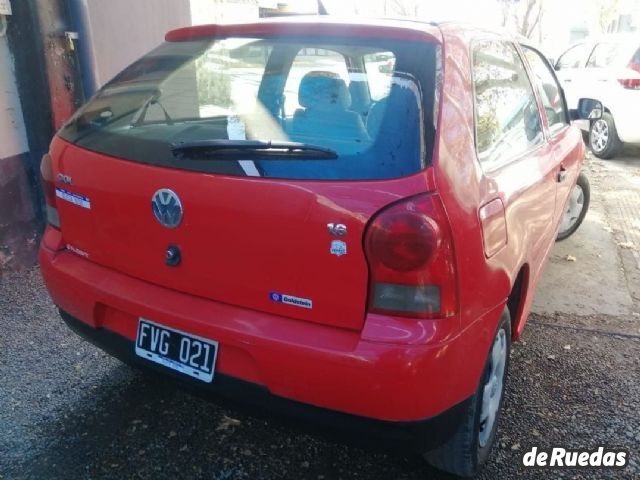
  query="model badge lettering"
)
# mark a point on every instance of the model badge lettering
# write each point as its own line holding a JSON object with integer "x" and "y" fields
{"x": 291, "y": 300}
{"x": 337, "y": 229}
{"x": 62, "y": 178}
{"x": 74, "y": 198}
{"x": 77, "y": 251}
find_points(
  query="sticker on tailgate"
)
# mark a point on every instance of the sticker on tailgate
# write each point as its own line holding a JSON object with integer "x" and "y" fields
{"x": 291, "y": 300}
{"x": 74, "y": 198}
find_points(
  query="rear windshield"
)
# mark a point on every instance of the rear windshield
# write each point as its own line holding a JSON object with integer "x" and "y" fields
{"x": 295, "y": 108}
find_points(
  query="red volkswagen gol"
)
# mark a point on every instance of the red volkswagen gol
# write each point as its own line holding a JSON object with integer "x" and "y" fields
{"x": 341, "y": 219}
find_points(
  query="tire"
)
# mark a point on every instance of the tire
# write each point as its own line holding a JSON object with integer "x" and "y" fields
{"x": 603, "y": 137}
{"x": 470, "y": 447}
{"x": 571, "y": 216}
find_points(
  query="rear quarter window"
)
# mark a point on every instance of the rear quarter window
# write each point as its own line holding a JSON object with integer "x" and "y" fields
{"x": 507, "y": 119}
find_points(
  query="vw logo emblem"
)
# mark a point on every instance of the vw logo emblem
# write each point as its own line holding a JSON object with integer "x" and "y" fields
{"x": 167, "y": 208}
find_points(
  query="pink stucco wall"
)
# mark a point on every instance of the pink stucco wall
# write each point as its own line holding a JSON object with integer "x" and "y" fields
{"x": 121, "y": 31}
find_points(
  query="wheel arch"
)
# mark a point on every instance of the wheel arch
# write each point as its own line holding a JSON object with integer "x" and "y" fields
{"x": 517, "y": 300}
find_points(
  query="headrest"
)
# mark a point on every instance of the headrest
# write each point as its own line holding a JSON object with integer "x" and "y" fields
{"x": 324, "y": 90}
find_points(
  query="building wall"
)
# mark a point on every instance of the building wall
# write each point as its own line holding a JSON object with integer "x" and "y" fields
{"x": 17, "y": 228}
{"x": 114, "y": 33}
{"x": 13, "y": 139}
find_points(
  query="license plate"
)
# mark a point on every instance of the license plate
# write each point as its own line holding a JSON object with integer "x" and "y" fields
{"x": 189, "y": 354}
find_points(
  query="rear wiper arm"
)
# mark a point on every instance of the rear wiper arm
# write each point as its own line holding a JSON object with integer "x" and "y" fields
{"x": 250, "y": 149}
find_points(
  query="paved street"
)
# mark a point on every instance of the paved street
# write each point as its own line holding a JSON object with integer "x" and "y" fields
{"x": 69, "y": 411}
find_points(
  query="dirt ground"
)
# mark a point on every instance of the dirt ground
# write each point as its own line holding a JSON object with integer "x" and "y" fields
{"x": 69, "y": 411}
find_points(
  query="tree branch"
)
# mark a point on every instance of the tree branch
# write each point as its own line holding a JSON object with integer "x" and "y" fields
{"x": 536, "y": 22}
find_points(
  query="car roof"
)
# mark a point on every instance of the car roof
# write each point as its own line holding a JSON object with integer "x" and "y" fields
{"x": 609, "y": 37}
{"x": 630, "y": 39}
{"x": 616, "y": 37}
{"x": 332, "y": 25}
{"x": 312, "y": 25}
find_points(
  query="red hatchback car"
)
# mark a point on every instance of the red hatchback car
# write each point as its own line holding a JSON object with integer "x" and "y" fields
{"x": 347, "y": 220}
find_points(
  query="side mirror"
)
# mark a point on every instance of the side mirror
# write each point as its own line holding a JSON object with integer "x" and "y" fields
{"x": 588, "y": 109}
{"x": 552, "y": 61}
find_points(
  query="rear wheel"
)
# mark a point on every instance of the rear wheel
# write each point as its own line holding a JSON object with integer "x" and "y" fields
{"x": 603, "y": 137}
{"x": 471, "y": 445}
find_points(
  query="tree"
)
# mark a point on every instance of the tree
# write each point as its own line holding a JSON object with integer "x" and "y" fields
{"x": 606, "y": 12}
{"x": 522, "y": 16}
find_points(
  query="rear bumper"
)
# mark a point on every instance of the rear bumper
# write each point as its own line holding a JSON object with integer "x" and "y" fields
{"x": 419, "y": 435}
{"x": 353, "y": 372}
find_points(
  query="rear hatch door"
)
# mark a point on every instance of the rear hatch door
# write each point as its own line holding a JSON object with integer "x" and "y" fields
{"x": 256, "y": 243}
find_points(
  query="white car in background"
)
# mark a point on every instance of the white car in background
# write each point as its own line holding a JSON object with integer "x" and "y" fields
{"x": 606, "y": 69}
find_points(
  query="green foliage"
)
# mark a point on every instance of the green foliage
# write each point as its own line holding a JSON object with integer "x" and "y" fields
{"x": 487, "y": 126}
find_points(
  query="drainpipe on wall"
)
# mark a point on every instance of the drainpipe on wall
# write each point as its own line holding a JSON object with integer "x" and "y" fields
{"x": 61, "y": 59}
{"x": 81, "y": 23}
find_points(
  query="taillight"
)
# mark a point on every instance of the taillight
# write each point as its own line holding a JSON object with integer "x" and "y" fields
{"x": 49, "y": 189}
{"x": 630, "y": 83}
{"x": 411, "y": 261}
{"x": 631, "y": 78}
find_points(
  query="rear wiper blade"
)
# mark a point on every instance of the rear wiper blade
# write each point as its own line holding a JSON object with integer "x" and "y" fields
{"x": 250, "y": 149}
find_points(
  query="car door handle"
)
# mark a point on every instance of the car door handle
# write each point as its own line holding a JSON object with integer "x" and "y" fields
{"x": 562, "y": 175}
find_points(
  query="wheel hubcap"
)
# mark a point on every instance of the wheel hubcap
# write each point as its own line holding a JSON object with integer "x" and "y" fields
{"x": 599, "y": 135}
{"x": 575, "y": 204}
{"x": 493, "y": 387}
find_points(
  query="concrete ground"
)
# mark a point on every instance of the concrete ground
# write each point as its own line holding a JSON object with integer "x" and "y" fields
{"x": 69, "y": 411}
{"x": 596, "y": 271}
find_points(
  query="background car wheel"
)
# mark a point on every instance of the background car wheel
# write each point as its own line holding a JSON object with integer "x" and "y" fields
{"x": 603, "y": 137}
{"x": 471, "y": 445}
{"x": 576, "y": 208}
{"x": 585, "y": 137}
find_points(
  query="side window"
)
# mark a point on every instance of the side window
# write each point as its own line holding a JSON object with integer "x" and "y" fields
{"x": 508, "y": 121}
{"x": 549, "y": 90}
{"x": 603, "y": 55}
{"x": 573, "y": 58}
{"x": 311, "y": 60}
